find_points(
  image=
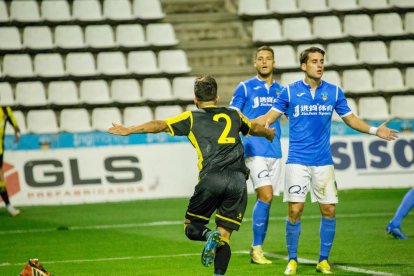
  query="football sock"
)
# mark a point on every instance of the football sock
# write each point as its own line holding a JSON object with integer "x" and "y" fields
{"x": 327, "y": 234}
{"x": 260, "y": 221}
{"x": 221, "y": 262}
{"x": 196, "y": 231}
{"x": 3, "y": 193}
{"x": 406, "y": 205}
{"x": 292, "y": 238}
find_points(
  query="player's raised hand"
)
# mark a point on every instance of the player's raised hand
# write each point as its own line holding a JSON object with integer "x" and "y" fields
{"x": 386, "y": 133}
{"x": 119, "y": 130}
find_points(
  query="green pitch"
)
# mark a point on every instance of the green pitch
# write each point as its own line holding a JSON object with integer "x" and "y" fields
{"x": 146, "y": 238}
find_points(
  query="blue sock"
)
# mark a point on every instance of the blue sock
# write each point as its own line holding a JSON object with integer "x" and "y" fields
{"x": 292, "y": 239}
{"x": 327, "y": 234}
{"x": 406, "y": 205}
{"x": 260, "y": 221}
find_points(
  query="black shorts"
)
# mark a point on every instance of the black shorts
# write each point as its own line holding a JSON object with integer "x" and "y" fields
{"x": 223, "y": 192}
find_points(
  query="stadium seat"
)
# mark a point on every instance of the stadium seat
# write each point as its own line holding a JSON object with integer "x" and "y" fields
{"x": 4, "y": 15}
{"x": 30, "y": 94}
{"x": 313, "y": 5}
{"x": 373, "y": 108}
{"x": 6, "y": 94}
{"x": 402, "y": 3}
{"x": 402, "y": 106}
{"x": 94, "y": 92}
{"x": 252, "y": 7}
{"x": 283, "y": 6}
{"x": 80, "y": 64}
{"x": 37, "y": 38}
{"x": 409, "y": 22}
{"x": 300, "y": 48}
{"x": 111, "y": 63}
{"x": 290, "y": 77}
{"x": 17, "y": 65}
{"x": 103, "y": 117}
{"x": 183, "y": 88}
{"x": 352, "y": 105}
{"x": 388, "y": 80}
{"x": 143, "y": 63}
{"x": 173, "y": 62}
{"x": 166, "y": 111}
{"x": 156, "y": 89}
{"x": 49, "y": 65}
{"x": 357, "y": 81}
{"x": 125, "y": 91}
{"x": 10, "y": 38}
{"x": 24, "y": 11}
{"x": 341, "y": 5}
{"x": 373, "y": 52}
{"x": 130, "y": 35}
{"x": 117, "y": 9}
{"x": 136, "y": 115}
{"x": 69, "y": 37}
{"x": 266, "y": 30}
{"x": 388, "y": 24}
{"x": 332, "y": 77}
{"x": 42, "y": 122}
{"x": 326, "y": 27}
{"x": 374, "y": 5}
{"x": 148, "y": 9}
{"x": 358, "y": 25}
{"x": 87, "y": 10}
{"x": 99, "y": 36}
{"x": 75, "y": 120}
{"x": 21, "y": 122}
{"x": 409, "y": 77}
{"x": 55, "y": 10}
{"x": 402, "y": 51}
{"x": 161, "y": 34}
{"x": 285, "y": 57}
{"x": 63, "y": 93}
{"x": 297, "y": 29}
{"x": 342, "y": 53}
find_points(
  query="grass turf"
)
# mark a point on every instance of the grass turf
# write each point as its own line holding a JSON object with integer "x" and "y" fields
{"x": 146, "y": 238}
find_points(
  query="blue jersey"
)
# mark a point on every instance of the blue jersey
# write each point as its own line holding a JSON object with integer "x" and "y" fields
{"x": 310, "y": 120}
{"x": 253, "y": 98}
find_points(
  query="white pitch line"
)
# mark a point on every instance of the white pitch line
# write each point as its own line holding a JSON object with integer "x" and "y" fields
{"x": 163, "y": 223}
{"x": 244, "y": 252}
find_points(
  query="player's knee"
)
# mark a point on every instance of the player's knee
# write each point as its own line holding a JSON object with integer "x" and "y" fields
{"x": 265, "y": 194}
{"x": 196, "y": 231}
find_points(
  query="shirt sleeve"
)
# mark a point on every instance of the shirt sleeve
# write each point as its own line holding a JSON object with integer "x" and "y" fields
{"x": 180, "y": 125}
{"x": 341, "y": 106}
{"x": 11, "y": 119}
{"x": 239, "y": 97}
{"x": 282, "y": 102}
{"x": 245, "y": 125}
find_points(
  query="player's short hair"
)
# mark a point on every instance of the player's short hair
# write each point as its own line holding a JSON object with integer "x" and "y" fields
{"x": 205, "y": 88}
{"x": 303, "y": 58}
{"x": 264, "y": 48}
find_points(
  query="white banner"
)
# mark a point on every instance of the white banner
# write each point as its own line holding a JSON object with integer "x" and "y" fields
{"x": 114, "y": 173}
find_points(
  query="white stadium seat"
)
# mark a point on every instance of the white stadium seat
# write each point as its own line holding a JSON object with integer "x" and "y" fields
{"x": 117, "y": 9}
{"x": 402, "y": 3}
{"x": 143, "y": 62}
{"x": 341, "y": 5}
{"x": 156, "y": 89}
{"x": 290, "y": 77}
{"x": 4, "y": 15}
{"x": 63, "y": 93}
{"x": 87, "y": 10}
{"x": 374, "y": 5}
{"x": 125, "y": 91}
{"x": 55, "y": 10}
{"x": 24, "y": 11}
{"x": 99, "y": 36}
{"x": 409, "y": 77}
{"x": 326, "y": 27}
{"x": 388, "y": 80}
{"x": 373, "y": 108}
{"x": 298, "y": 28}
{"x": 10, "y": 38}
{"x": 283, "y": 6}
{"x": 183, "y": 88}
{"x": 388, "y": 24}
{"x": 37, "y": 37}
{"x": 253, "y": 7}
{"x": 148, "y": 9}
{"x": 402, "y": 51}
{"x": 266, "y": 30}
{"x": 358, "y": 25}
{"x": 6, "y": 94}
{"x": 42, "y": 122}
{"x": 19, "y": 65}
{"x": 130, "y": 35}
{"x": 136, "y": 115}
{"x": 409, "y": 22}
{"x": 69, "y": 37}
{"x": 285, "y": 57}
{"x": 75, "y": 120}
{"x": 173, "y": 62}
{"x": 49, "y": 65}
{"x": 80, "y": 64}
{"x": 332, "y": 77}
{"x": 402, "y": 106}
{"x": 21, "y": 122}
{"x": 167, "y": 111}
{"x": 373, "y": 52}
{"x": 103, "y": 117}
{"x": 30, "y": 94}
{"x": 342, "y": 53}
{"x": 313, "y": 5}
{"x": 161, "y": 34}
{"x": 111, "y": 63}
{"x": 94, "y": 92}
{"x": 357, "y": 81}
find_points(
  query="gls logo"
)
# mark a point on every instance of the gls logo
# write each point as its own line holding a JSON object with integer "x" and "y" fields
{"x": 56, "y": 177}
{"x": 402, "y": 152}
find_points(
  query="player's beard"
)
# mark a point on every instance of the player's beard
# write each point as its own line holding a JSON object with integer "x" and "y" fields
{"x": 264, "y": 75}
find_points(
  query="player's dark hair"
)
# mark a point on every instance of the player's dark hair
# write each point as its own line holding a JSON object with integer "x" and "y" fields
{"x": 264, "y": 48}
{"x": 205, "y": 88}
{"x": 303, "y": 58}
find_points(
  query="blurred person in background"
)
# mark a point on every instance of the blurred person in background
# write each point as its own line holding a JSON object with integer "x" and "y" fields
{"x": 394, "y": 226}
{"x": 254, "y": 97}
{"x": 6, "y": 116}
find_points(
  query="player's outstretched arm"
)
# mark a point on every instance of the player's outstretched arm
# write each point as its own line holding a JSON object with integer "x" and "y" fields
{"x": 155, "y": 126}
{"x": 264, "y": 131}
{"x": 270, "y": 117}
{"x": 382, "y": 131}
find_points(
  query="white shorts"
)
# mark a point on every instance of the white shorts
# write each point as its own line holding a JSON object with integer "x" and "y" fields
{"x": 265, "y": 171}
{"x": 319, "y": 180}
